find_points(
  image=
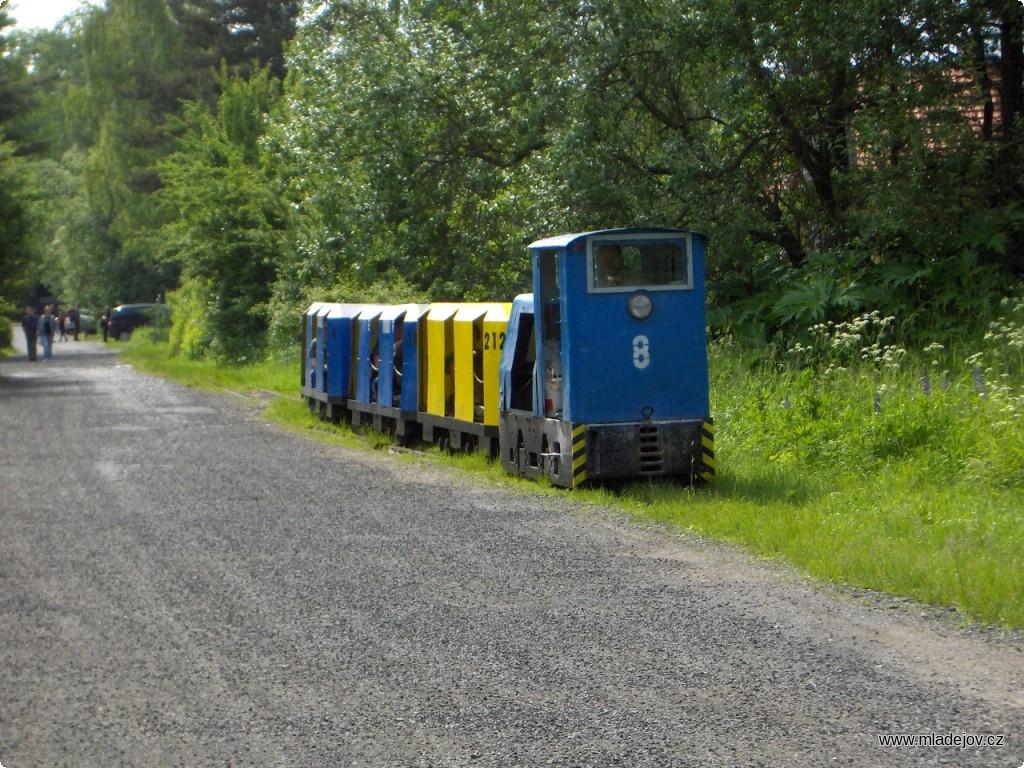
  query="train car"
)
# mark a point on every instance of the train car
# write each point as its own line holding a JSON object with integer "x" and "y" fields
{"x": 599, "y": 374}
{"x": 459, "y": 373}
{"x": 604, "y": 374}
{"x": 329, "y": 334}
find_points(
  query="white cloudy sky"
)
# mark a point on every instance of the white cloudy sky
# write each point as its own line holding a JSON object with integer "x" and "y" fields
{"x": 40, "y": 13}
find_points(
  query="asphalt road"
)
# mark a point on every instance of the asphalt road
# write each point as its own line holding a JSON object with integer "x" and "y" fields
{"x": 184, "y": 584}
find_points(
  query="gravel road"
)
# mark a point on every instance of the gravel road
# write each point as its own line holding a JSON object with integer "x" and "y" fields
{"x": 184, "y": 584}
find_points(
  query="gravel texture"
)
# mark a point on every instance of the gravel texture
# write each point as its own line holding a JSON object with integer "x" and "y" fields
{"x": 184, "y": 584}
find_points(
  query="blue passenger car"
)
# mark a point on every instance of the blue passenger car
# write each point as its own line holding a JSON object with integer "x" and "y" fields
{"x": 398, "y": 363}
{"x": 385, "y": 392}
{"x": 604, "y": 373}
{"x": 310, "y": 350}
{"x": 368, "y": 353}
{"x": 328, "y": 344}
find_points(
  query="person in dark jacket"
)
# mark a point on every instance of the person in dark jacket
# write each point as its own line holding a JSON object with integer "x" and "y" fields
{"x": 30, "y": 324}
{"x": 75, "y": 321}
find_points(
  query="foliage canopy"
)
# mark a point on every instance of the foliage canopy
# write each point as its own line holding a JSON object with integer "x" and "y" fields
{"x": 843, "y": 158}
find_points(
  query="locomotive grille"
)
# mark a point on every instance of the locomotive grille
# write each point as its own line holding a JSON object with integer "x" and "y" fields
{"x": 652, "y": 456}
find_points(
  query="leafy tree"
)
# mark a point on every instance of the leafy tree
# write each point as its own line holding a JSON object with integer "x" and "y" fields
{"x": 51, "y": 62}
{"x": 244, "y": 34}
{"x": 103, "y": 89}
{"x": 835, "y": 143}
{"x": 114, "y": 88}
{"x": 843, "y": 157}
{"x": 15, "y": 224}
{"x": 441, "y": 116}
{"x": 257, "y": 31}
{"x": 15, "y": 89}
{"x": 228, "y": 220}
{"x": 16, "y": 253}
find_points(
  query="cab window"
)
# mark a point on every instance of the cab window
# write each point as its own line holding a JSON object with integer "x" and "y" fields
{"x": 658, "y": 264}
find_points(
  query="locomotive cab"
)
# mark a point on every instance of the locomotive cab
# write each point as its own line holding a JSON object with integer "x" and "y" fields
{"x": 604, "y": 373}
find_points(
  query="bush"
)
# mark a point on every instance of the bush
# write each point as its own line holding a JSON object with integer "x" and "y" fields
{"x": 190, "y": 334}
{"x": 851, "y": 402}
{"x": 6, "y": 333}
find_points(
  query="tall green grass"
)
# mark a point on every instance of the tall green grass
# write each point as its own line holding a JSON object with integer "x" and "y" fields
{"x": 280, "y": 376}
{"x": 860, "y": 464}
{"x": 875, "y": 466}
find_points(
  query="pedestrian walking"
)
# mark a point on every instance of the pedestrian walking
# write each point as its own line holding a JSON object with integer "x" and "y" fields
{"x": 75, "y": 321}
{"x": 62, "y": 321}
{"x": 47, "y": 330}
{"x": 30, "y": 324}
{"x": 104, "y": 320}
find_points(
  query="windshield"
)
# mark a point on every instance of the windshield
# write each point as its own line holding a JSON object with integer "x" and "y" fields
{"x": 651, "y": 263}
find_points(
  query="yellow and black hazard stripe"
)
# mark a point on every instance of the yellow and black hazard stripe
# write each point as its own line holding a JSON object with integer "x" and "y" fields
{"x": 579, "y": 454}
{"x": 707, "y": 441}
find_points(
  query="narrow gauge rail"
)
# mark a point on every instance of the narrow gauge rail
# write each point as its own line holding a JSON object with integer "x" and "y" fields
{"x": 600, "y": 373}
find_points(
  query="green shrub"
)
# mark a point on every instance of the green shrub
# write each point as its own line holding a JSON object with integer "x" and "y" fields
{"x": 190, "y": 333}
{"x": 852, "y": 402}
{"x": 6, "y": 333}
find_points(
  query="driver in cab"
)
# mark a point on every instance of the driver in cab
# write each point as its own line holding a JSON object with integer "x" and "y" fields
{"x": 611, "y": 266}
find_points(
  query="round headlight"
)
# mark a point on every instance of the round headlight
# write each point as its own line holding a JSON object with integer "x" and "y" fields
{"x": 640, "y": 306}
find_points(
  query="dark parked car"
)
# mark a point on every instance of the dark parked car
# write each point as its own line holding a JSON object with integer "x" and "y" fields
{"x": 127, "y": 317}
{"x": 86, "y": 323}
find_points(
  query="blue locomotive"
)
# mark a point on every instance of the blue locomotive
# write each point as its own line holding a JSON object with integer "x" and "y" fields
{"x": 600, "y": 374}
